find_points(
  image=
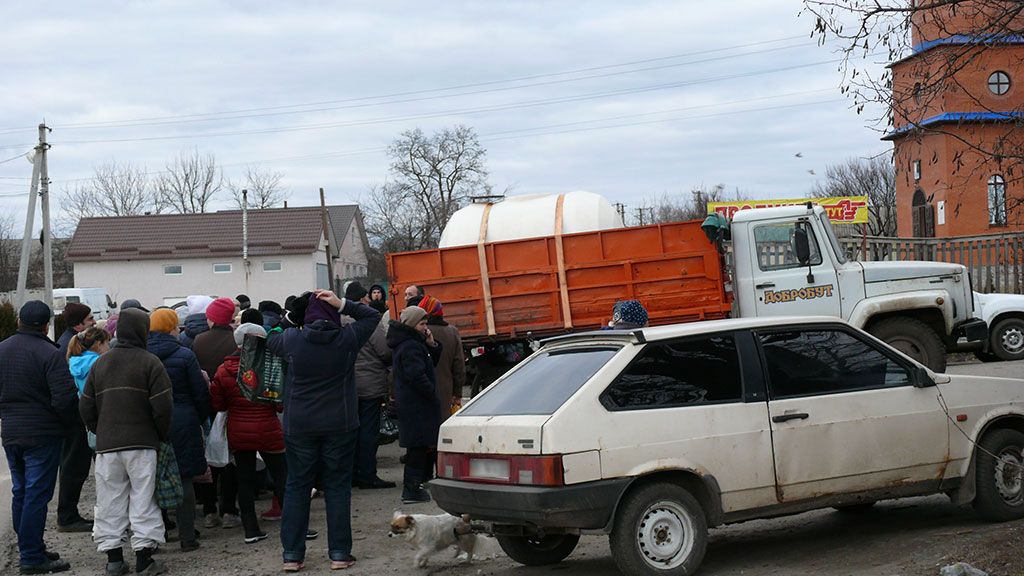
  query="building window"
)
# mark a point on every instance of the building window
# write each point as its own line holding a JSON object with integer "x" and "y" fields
{"x": 222, "y": 268}
{"x": 272, "y": 266}
{"x": 917, "y": 170}
{"x": 996, "y": 201}
{"x": 999, "y": 83}
{"x": 172, "y": 270}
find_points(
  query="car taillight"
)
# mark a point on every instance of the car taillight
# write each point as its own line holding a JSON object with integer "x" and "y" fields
{"x": 501, "y": 468}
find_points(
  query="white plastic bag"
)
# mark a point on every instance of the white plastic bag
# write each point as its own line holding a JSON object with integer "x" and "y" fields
{"x": 217, "y": 453}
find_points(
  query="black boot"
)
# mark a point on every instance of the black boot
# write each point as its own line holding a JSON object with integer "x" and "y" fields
{"x": 412, "y": 486}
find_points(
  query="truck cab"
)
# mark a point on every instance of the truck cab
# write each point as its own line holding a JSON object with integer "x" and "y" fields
{"x": 788, "y": 261}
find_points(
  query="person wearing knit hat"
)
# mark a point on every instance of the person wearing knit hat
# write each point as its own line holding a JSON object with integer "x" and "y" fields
{"x": 354, "y": 291}
{"x": 321, "y": 420}
{"x": 414, "y": 353}
{"x": 76, "y": 457}
{"x": 271, "y": 312}
{"x": 629, "y": 315}
{"x": 191, "y": 409}
{"x": 195, "y": 321}
{"x": 251, "y": 316}
{"x": 243, "y": 302}
{"x": 253, "y": 427}
{"x": 451, "y": 368}
{"x": 220, "y": 312}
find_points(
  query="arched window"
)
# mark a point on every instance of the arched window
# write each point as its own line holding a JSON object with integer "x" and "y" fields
{"x": 922, "y": 216}
{"x": 996, "y": 201}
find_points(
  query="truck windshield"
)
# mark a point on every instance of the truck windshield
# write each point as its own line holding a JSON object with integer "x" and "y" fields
{"x": 541, "y": 384}
{"x": 831, "y": 233}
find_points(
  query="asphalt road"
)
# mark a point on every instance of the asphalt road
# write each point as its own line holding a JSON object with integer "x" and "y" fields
{"x": 909, "y": 537}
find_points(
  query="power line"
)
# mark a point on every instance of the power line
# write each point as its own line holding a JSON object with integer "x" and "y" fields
{"x": 207, "y": 115}
{"x": 463, "y": 111}
{"x": 13, "y": 158}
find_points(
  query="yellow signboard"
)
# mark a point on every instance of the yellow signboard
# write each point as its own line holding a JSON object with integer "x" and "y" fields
{"x": 841, "y": 209}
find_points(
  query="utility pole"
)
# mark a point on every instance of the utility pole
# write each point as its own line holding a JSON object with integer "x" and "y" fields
{"x": 30, "y": 216}
{"x": 44, "y": 197}
{"x": 245, "y": 237}
{"x": 620, "y": 208}
{"x": 327, "y": 239}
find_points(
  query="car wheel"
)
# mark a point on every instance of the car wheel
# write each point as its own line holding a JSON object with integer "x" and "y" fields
{"x": 1007, "y": 340}
{"x": 859, "y": 508}
{"x": 914, "y": 338}
{"x": 999, "y": 473}
{"x": 534, "y": 551}
{"x": 659, "y": 529}
{"x": 986, "y": 356}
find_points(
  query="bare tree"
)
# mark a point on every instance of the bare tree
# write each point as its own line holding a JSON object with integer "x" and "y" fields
{"x": 115, "y": 189}
{"x": 874, "y": 178}
{"x": 8, "y": 253}
{"x": 190, "y": 183}
{"x": 264, "y": 188}
{"x": 881, "y": 29}
{"x": 678, "y": 207}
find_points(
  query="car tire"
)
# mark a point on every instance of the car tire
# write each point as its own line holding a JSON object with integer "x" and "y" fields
{"x": 999, "y": 476}
{"x": 914, "y": 338}
{"x": 533, "y": 551}
{"x": 1007, "y": 339}
{"x": 851, "y": 509}
{"x": 660, "y": 529}
{"x": 987, "y": 356}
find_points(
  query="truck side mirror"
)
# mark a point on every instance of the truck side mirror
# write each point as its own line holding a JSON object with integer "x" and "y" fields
{"x": 802, "y": 245}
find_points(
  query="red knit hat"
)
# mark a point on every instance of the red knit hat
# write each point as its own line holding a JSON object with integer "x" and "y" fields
{"x": 432, "y": 306}
{"x": 221, "y": 311}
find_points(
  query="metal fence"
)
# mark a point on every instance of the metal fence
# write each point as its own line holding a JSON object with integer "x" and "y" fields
{"x": 996, "y": 262}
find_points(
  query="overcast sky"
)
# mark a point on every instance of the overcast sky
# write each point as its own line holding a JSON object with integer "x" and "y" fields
{"x": 666, "y": 95}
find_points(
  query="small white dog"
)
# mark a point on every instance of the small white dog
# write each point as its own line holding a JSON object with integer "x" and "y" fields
{"x": 433, "y": 534}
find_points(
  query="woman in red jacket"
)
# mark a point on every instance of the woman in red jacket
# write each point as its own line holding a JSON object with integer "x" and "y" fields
{"x": 252, "y": 427}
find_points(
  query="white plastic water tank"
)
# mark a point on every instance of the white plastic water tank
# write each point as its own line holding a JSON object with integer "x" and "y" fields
{"x": 530, "y": 216}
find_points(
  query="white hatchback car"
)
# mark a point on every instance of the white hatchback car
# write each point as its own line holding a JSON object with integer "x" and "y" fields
{"x": 655, "y": 435}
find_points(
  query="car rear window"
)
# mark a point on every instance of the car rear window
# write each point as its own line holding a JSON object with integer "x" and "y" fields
{"x": 542, "y": 383}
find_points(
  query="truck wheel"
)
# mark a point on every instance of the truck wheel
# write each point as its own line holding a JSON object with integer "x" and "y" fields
{"x": 660, "y": 529}
{"x": 533, "y": 551}
{"x": 1007, "y": 339}
{"x": 914, "y": 338}
{"x": 999, "y": 473}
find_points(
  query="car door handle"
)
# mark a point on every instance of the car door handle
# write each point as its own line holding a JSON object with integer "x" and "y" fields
{"x": 765, "y": 285}
{"x": 793, "y": 416}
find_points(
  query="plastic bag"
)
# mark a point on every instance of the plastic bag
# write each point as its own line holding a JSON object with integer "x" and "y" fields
{"x": 260, "y": 372}
{"x": 388, "y": 429}
{"x": 217, "y": 453}
{"x": 169, "y": 491}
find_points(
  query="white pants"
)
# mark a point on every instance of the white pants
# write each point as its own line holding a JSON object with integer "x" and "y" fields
{"x": 125, "y": 495}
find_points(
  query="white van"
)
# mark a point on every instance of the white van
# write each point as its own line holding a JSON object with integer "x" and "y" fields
{"x": 96, "y": 299}
{"x": 653, "y": 436}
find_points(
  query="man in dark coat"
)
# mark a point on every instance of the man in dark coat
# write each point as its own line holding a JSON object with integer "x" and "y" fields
{"x": 75, "y": 455}
{"x": 321, "y": 419}
{"x": 414, "y": 353}
{"x": 128, "y": 404}
{"x": 38, "y": 401}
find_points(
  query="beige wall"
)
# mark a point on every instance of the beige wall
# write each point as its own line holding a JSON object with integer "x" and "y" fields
{"x": 352, "y": 260}
{"x": 145, "y": 279}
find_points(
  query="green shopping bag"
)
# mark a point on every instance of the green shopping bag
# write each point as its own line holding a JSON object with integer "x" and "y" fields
{"x": 260, "y": 372}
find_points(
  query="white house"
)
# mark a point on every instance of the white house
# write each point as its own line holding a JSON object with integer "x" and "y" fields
{"x": 160, "y": 259}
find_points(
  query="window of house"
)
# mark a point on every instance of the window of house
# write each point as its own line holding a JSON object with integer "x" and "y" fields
{"x": 996, "y": 201}
{"x": 999, "y": 82}
{"x": 224, "y": 268}
{"x": 826, "y": 361}
{"x": 172, "y": 269}
{"x": 271, "y": 265}
{"x": 776, "y": 246}
{"x": 917, "y": 170}
{"x": 687, "y": 373}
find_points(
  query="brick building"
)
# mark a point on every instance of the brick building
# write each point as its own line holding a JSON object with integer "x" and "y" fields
{"x": 957, "y": 98}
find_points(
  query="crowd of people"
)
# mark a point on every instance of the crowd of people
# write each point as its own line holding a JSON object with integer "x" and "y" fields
{"x": 142, "y": 392}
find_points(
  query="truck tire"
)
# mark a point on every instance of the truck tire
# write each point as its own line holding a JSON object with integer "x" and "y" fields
{"x": 660, "y": 529}
{"x": 533, "y": 551}
{"x": 999, "y": 474}
{"x": 914, "y": 338}
{"x": 1007, "y": 339}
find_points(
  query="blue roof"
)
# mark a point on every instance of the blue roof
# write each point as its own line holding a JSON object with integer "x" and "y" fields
{"x": 962, "y": 40}
{"x": 958, "y": 117}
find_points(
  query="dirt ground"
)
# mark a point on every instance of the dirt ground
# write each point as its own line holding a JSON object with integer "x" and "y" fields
{"x": 907, "y": 537}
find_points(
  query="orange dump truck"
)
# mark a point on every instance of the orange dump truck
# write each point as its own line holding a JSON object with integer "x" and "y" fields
{"x": 519, "y": 289}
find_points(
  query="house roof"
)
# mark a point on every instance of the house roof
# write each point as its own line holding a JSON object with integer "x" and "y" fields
{"x": 956, "y": 118}
{"x": 272, "y": 231}
{"x": 961, "y": 40}
{"x": 341, "y": 220}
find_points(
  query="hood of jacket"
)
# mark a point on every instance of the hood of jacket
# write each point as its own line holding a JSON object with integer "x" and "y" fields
{"x": 162, "y": 345}
{"x": 195, "y": 324}
{"x": 132, "y": 329}
{"x": 271, "y": 318}
{"x": 80, "y": 365}
{"x": 399, "y": 333}
{"x": 320, "y": 332}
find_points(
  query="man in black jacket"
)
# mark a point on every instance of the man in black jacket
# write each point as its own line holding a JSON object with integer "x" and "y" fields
{"x": 38, "y": 401}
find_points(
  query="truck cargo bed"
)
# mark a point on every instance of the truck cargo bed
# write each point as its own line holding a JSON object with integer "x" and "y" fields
{"x": 536, "y": 286}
